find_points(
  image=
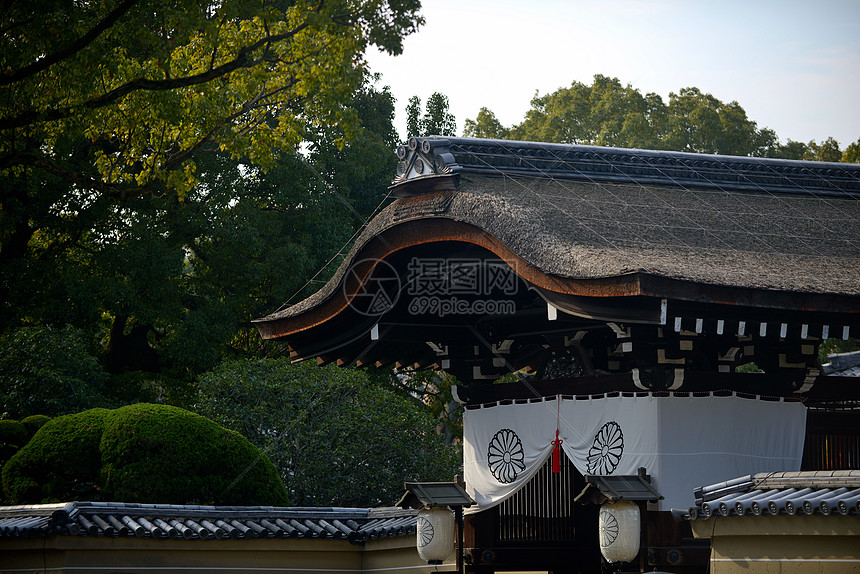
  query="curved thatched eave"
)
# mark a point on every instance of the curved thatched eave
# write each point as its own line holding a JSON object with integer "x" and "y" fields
{"x": 340, "y": 290}
{"x": 601, "y": 238}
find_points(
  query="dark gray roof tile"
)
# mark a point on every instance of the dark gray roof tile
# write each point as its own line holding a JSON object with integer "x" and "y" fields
{"x": 801, "y": 493}
{"x": 843, "y": 364}
{"x": 194, "y": 522}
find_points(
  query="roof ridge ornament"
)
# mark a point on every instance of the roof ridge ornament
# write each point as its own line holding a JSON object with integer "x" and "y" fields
{"x": 427, "y": 165}
{"x": 436, "y": 156}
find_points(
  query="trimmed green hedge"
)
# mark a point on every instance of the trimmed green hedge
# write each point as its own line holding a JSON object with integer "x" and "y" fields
{"x": 13, "y": 433}
{"x": 141, "y": 453}
{"x": 34, "y": 423}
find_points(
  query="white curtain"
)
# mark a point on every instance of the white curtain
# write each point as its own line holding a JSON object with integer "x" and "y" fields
{"x": 682, "y": 442}
{"x": 524, "y": 431}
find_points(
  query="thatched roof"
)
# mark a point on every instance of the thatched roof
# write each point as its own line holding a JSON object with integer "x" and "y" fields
{"x": 578, "y": 216}
{"x": 634, "y": 263}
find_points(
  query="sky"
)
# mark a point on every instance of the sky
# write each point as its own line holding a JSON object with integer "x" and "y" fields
{"x": 793, "y": 66}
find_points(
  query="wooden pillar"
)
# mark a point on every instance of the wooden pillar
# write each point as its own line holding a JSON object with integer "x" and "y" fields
{"x": 643, "y": 525}
{"x": 478, "y": 535}
{"x": 458, "y": 518}
{"x": 643, "y": 535}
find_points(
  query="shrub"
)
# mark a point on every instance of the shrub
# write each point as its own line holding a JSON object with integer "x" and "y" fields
{"x": 13, "y": 435}
{"x": 141, "y": 453}
{"x": 61, "y": 462}
{"x": 13, "y": 432}
{"x": 194, "y": 460}
{"x": 34, "y": 423}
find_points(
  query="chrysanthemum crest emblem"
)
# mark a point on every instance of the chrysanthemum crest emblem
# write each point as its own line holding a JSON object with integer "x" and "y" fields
{"x": 505, "y": 456}
{"x": 605, "y": 453}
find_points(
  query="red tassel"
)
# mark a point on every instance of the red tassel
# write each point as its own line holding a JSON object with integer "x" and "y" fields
{"x": 556, "y": 457}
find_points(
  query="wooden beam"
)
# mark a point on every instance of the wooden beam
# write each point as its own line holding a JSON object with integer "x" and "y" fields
{"x": 826, "y": 388}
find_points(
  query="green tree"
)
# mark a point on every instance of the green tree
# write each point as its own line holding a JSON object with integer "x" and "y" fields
{"x": 110, "y": 113}
{"x": 485, "y": 125}
{"x": 852, "y": 153}
{"x": 436, "y": 119}
{"x": 621, "y": 116}
{"x": 235, "y": 233}
{"x": 694, "y": 122}
{"x": 604, "y": 113}
{"x": 434, "y": 390}
{"x": 141, "y": 453}
{"x": 360, "y": 170}
{"x": 828, "y": 150}
{"x": 150, "y": 83}
{"x": 559, "y": 117}
{"x": 336, "y": 436}
{"x": 171, "y": 286}
{"x": 413, "y": 117}
{"x": 608, "y": 113}
{"x": 49, "y": 372}
{"x": 789, "y": 150}
{"x": 701, "y": 123}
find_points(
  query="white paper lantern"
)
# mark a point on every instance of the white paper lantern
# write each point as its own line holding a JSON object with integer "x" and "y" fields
{"x": 619, "y": 527}
{"x": 435, "y": 534}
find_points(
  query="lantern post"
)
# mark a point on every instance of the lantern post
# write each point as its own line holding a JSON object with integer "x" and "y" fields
{"x": 440, "y": 508}
{"x": 623, "y": 515}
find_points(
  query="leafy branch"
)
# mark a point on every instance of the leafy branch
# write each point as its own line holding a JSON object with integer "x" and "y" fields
{"x": 69, "y": 50}
{"x": 241, "y": 61}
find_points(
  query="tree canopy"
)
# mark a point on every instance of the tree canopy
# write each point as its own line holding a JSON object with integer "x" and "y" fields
{"x": 608, "y": 113}
{"x": 135, "y": 139}
{"x": 337, "y": 436}
{"x": 485, "y": 125}
{"x": 49, "y": 372}
{"x": 169, "y": 286}
{"x": 436, "y": 119}
{"x": 134, "y": 89}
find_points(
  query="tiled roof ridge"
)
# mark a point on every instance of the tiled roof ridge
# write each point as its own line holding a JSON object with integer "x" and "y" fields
{"x": 142, "y": 509}
{"x": 821, "y": 492}
{"x": 435, "y": 156}
{"x": 187, "y": 522}
{"x": 840, "y": 362}
{"x": 774, "y": 479}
